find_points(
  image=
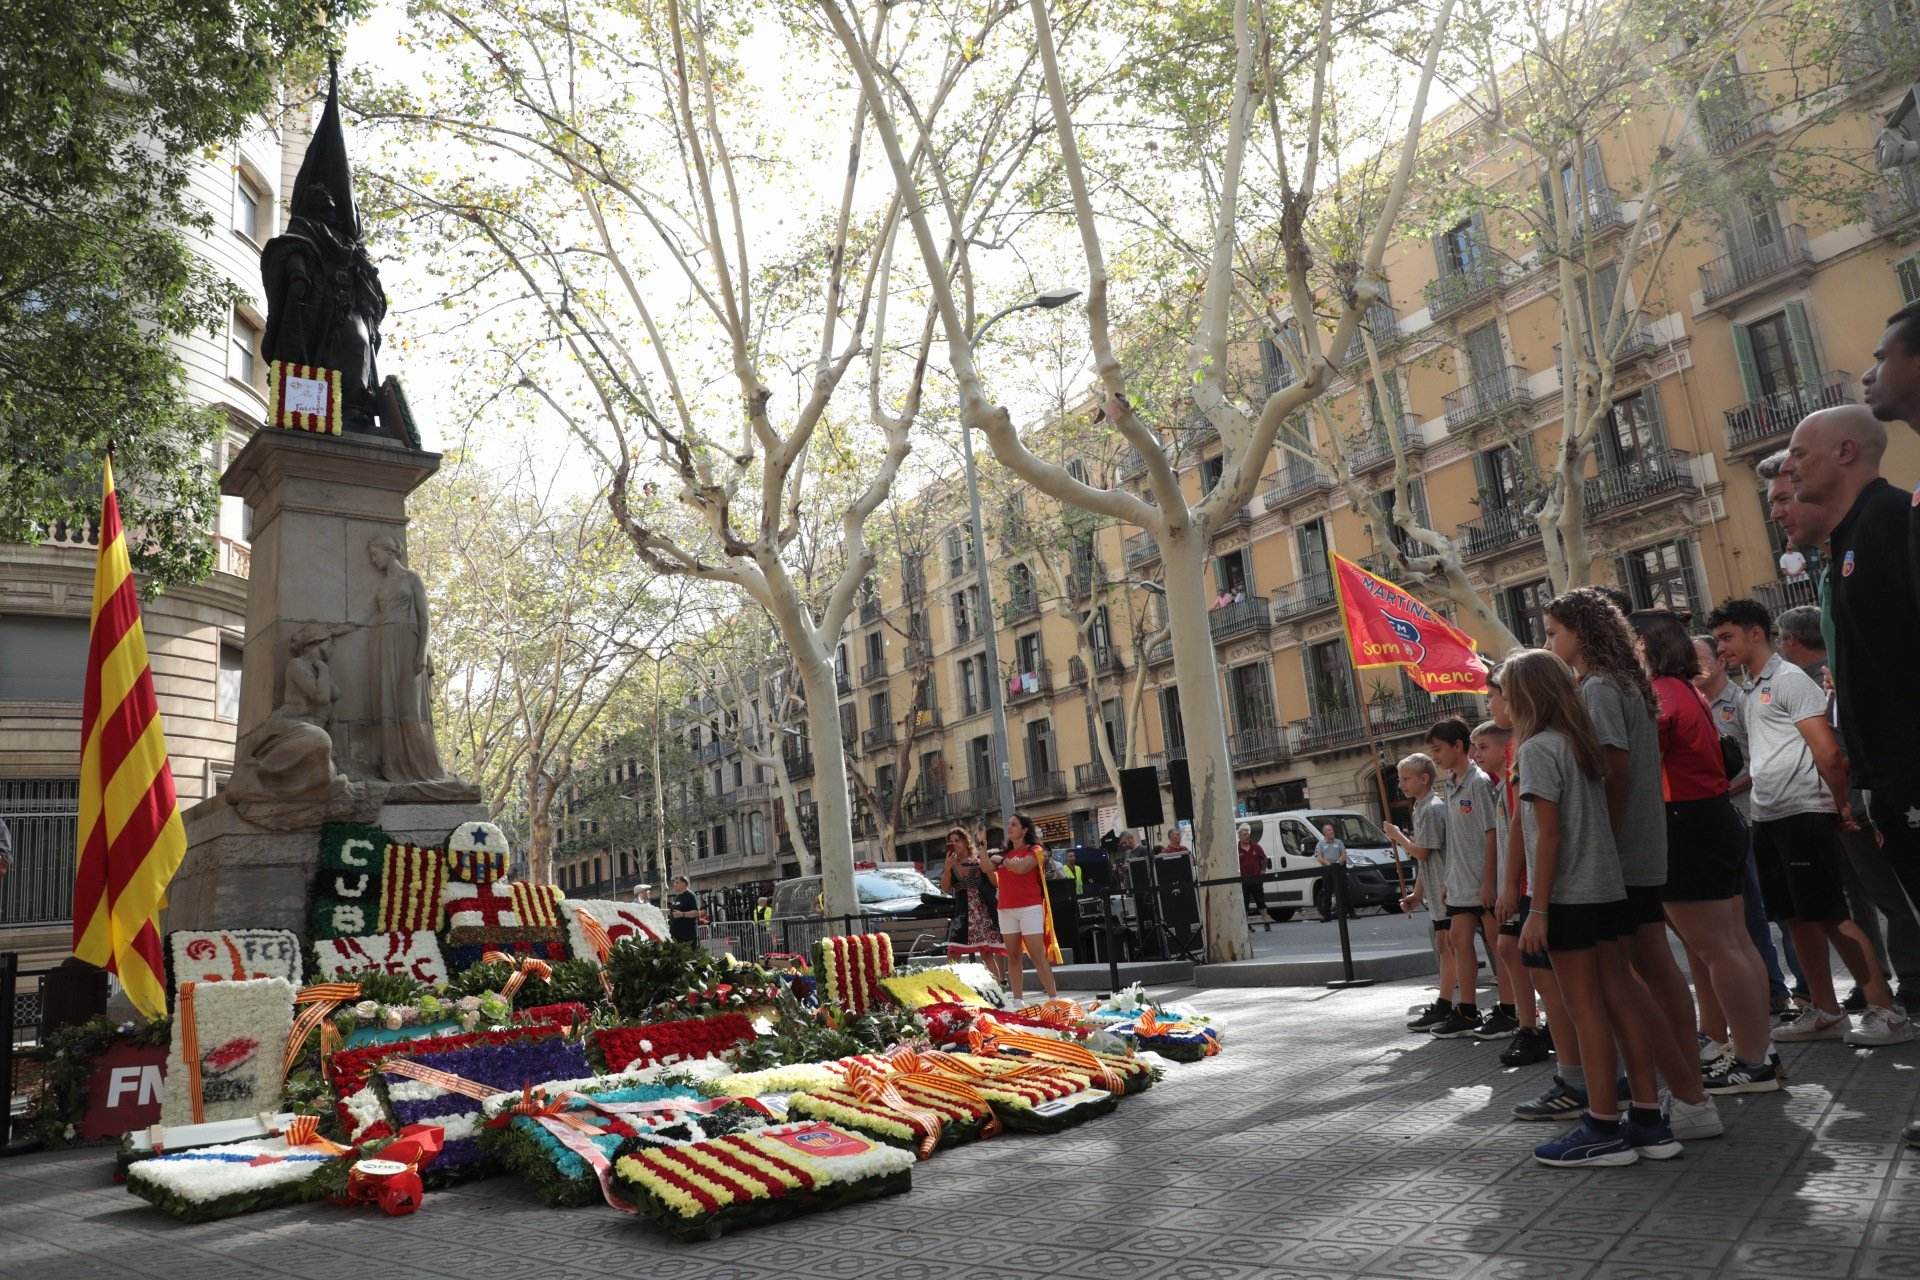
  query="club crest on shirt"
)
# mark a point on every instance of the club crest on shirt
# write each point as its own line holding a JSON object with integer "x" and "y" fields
{"x": 1466, "y": 804}
{"x": 1766, "y": 695}
{"x": 1726, "y": 713}
{"x": 1846, "y": 566}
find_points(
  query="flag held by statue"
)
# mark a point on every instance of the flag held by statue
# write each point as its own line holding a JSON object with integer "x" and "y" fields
{"x": 1387, "y": 626}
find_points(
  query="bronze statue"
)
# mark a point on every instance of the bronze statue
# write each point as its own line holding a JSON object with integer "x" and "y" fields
{"x": 324, "y": 302}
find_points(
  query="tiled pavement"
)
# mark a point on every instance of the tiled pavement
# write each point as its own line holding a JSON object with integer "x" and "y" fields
{"x": 1326, "y": 1142}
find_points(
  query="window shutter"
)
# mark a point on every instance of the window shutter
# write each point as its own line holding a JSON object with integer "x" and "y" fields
{"x": 1806, "y": 366}
{"x": 1907, "y": 272}
{"x": 1504, "y": 608}
{"x": 1440, "y": 264}
{"x": 1596, "y": 173}
{"x": 1749, "y": 370}
{"x": 1690, "y": 575}
{"x": 1655, "y": 416}
{"x": 1629, "y": 580}
{"x": 1480, "y": 241}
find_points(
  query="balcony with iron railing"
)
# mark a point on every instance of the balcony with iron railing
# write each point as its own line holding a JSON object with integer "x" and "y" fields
{"x": 1297, "y": 481}
{"x": 799, "y": 762}
{"x": 1375, "y": 449}
{"x": 1085, "y": 576}
{"x": 1105, "y": 661}
{"x": 1398, "y": 716}
{"x": 1497, "y": 394}
{"x": 1601, "y": 214}
{"x": 1897, "y": 203}
{"x": 1236, "y": 521}
{"x": 1257, "y": 745}
{"x": 842, "y": 682}
{"x": 873, "y": 672}
{"x": 880, "y": 735}
{"x": 1251, "y": 616}
{"x": 1662, "y": 475}
{"x": 983, "y": 799}
{"x": 1636, "y": 343}
{"x": 1309, "y": 595}
{"x": 1020, "y": 607}
{"x": 1383, "y": 324}
{"x": 1727, "y": 117}
{"x": 1092, "y": 777}
{"x": 926, "y": 804}
{"x": 869, "y": 608}
{"x": 1765, "y": 424}
{"x": 1782, "y": 594}
{"x": 1050, "y": 784}
{"x": 1495, "y": 530}
{"x": 923, "y": 720}
{"x": 1027, "y": 685}
{"x": 712, "y": 749}
{"x": 1456, "y": 291}
{"x": 1382, "y": 565}
{"x": 1132, "y": 463}
{"x": 1141, "y": 550}
{"x": 1735, "y": 274}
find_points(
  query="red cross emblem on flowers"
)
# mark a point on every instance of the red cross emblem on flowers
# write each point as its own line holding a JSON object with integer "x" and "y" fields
{"x": 481, "y": 906}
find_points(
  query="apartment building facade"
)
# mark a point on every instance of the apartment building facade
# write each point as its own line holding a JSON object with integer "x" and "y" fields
{"x": 194, "y": 630}
{"x": 1751, "y": 319}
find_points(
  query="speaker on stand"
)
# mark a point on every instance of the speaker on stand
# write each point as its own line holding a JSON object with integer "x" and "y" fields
{"x": 1140, "y": 796}
{"x": 1179, "y": 907}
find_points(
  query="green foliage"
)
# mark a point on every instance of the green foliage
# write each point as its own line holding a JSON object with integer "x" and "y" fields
{"x": 70, "y": 1053}
{"x": 654, "y": 979}
{"x": 809, "y": 1035}
{"x": 104, "y": 110}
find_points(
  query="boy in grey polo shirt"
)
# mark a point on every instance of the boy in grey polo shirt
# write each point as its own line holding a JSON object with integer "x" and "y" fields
{"x": 1798, "y": 771}
{"x": 1427, "y": 847}
{"x": 1471, "y": 865}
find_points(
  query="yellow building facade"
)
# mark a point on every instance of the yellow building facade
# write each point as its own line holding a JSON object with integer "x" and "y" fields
{"x": 1751, "y": 318}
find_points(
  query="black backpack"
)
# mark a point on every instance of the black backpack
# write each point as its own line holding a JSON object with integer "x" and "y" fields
{"x": 1732, "y": 757}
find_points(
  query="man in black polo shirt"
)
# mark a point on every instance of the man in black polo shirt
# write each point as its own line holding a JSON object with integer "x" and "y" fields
{"x": 1875, "y": 606}
{"x": 683, "y": 912}
{"x": 1892, "y": 392}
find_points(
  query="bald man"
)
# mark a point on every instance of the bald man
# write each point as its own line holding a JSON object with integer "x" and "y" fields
{"x": 1869, "y": 590}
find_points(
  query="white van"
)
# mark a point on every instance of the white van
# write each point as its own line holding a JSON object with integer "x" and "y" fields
{"x": 1289, "y": 837}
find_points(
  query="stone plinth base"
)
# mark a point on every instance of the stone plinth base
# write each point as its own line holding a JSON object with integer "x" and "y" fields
{"x": 240, "y": 876}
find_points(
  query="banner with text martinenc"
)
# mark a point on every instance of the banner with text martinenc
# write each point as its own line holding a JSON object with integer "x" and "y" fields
{"x": 1387, "y": 627}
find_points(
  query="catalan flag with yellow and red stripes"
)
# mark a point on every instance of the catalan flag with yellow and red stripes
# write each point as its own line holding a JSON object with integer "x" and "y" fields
{"x": 131, "y": 837}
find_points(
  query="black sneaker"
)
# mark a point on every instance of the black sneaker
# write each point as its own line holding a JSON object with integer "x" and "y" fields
{"x": 1497, "y": 1025}
{"x": 1730, "y": 1075}
{"x": 1561, "y": 1101}
{"x": 1462, "y": 1022}
{"x": 1432, "y": 1016}
{"x": 1529, "y": 1045}
{"x": 1856, "y": 1001}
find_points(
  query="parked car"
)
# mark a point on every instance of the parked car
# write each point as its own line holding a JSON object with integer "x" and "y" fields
{"x": 1289, "y": 837}
{"x": 910, "y": 909}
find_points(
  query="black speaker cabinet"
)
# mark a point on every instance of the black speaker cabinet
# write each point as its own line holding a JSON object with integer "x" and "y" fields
{"x": 1140, "y": 796}
{"x": 1182, "y": 789}
{"x": 1179, "y": 909}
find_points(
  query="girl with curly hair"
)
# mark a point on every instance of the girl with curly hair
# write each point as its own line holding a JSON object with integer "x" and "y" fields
{"x": 1589, "y": 633}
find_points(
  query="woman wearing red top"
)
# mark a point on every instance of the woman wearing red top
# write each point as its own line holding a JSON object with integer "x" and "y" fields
{"x": 1253, "y": 870}
{"x": 1706, "y": 859}
{"x": 1023, "y": 902}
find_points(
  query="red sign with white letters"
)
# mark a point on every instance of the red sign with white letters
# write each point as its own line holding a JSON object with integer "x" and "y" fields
{"x": 123, "y": 1093}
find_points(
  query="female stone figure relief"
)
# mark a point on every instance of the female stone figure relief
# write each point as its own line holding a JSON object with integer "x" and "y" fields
{"x": 399, "y": 676}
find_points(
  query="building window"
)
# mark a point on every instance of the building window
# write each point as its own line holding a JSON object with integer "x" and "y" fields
{"x": 1385, "y": 502}
{"x": 1776, "y": 354}
{"x": 1329, "y": 678}
{"x": 1172, "y": 728}
{"x": 1907, "y": 272}
{"x": 1250, "y": 693}
{"x": 1460, "y": 248}
{"x": 1077, "y": 469}
{"x": 980, "y": 762}
{"x": 1497, "y": 472}
{"x": 252, "y": 206}
{"x": 1663, "y": 576}
{"x": 1020, "y": 587}
{"x": 1040, "y": 759}
{"x": 1486, "y": 358}
{"x": 976, "y": 691}
{"x": 1524, "y": 611}
{"x": 1211, "y": 469}
{"x": 244, "y": 363}
{"x": 42, "y": 659}
{"x": 1634, "y": 435}
{"x": 1027, "y": 653}
{"x": 226, "y": 705}
{"x": 965, "y": 606}
{"x": 1310, "y": 540}
{"x": 1233, "y": 573}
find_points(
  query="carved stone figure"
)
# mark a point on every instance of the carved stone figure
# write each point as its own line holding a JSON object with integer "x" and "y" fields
{"x": 324, "y": 301}
{"x": 400, "y": 675}
{"x": 283, "y": 774}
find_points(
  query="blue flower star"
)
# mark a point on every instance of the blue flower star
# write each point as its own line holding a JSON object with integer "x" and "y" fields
{"x": 479, "y": 835}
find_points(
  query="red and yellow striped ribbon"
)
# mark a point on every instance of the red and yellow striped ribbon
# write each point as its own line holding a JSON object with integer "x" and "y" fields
{"x": 877, "y": 1089}
{"x": 988, "y": 1037}
{"x": 320, "y": 1000}
{"x": 304, "y": 1132}
{"x": 130, "y": 837}
{"x": 446, "y": 1081}
{"x": 596, "y": 935}
{"x": 190, "y": 1051}
{"x": 530, "y": 965}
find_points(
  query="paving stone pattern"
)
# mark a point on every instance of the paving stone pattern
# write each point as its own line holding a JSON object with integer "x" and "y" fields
{"x": 1327, "y": 1141}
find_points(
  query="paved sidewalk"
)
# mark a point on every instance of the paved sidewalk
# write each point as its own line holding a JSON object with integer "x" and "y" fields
{"x": 1327, "y": 1141}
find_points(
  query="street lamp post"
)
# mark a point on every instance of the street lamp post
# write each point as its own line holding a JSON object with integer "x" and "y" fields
{"x": 997, "y": 696}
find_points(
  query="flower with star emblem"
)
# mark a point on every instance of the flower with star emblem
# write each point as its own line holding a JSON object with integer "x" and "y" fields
{"x": 477, "y": 853}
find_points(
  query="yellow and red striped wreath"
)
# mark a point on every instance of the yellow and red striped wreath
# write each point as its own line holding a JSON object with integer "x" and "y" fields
{"x": 849, "y": 969}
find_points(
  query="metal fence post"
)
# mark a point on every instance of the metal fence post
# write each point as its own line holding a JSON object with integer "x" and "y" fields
{"x": 9, "y": 986}
{"x": 1339, "y": 873}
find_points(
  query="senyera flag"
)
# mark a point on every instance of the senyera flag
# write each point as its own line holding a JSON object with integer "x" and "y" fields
{"x": 131, "y": 839}
{"x": 1387, "y": 627}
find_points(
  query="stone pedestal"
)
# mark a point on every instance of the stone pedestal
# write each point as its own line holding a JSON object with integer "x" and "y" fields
{"x": 240, "y": 876}
{"x": 317, "y": 502}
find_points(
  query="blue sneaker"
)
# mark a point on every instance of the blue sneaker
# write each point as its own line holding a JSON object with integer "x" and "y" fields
{"x": 1654, "y": 1141}
{"x": 1586, "y": 1146}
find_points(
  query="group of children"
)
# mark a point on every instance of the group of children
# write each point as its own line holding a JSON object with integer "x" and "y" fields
{"x": 1546, "y": 831}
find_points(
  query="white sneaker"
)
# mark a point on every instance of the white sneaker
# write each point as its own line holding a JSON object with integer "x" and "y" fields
{"x": 1711, "y": 1051}
{"x": 1880, "y": 1026}
{"x": 1814, "y": 1024}
{"x": 1694, "y": 1120}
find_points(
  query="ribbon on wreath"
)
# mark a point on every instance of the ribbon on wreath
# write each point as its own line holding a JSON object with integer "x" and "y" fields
{"x": 990, "y": 1039}
{"x": 320, "y": 1000}
{"x": 530, "y": 965}
{"x": 190, "y": 1051}
{"x": 1148, "y": 1025}
{"x": 303, "y": 1132}
{"x": 574, "y": 1132}
{"x": 878, "y": 1089}
{"x": 597, "y": 937}
{"x": 921, "y": 1071}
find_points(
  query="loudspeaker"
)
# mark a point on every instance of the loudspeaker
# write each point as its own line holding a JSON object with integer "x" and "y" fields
{"x": 1182, "y": 790}
{"x": 1140, "y": 796}
{"x": 1179, "y": 909}
{"x": 1146, "y": 910}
